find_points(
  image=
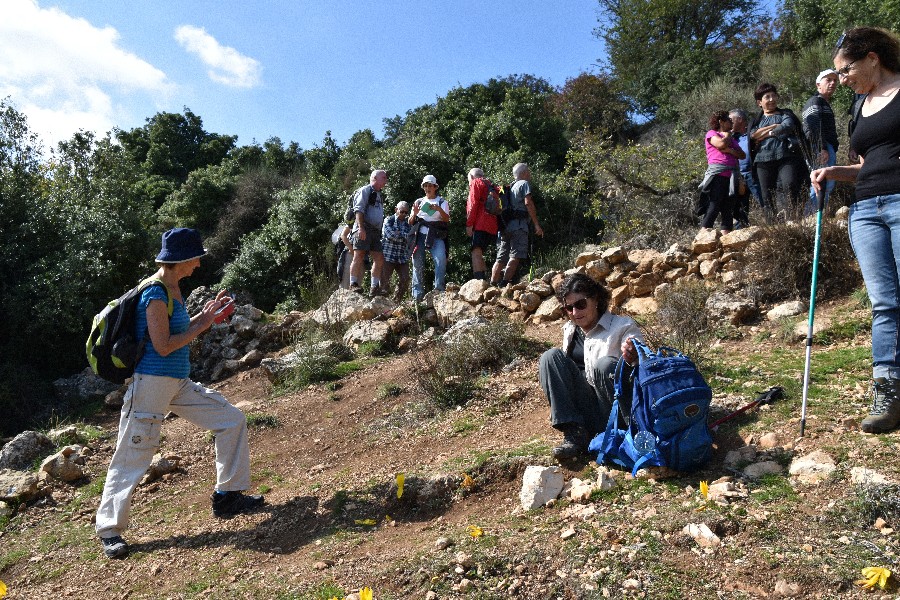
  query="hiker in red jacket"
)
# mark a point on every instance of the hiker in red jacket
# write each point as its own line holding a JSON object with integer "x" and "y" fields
{"x": 481, "y": 225}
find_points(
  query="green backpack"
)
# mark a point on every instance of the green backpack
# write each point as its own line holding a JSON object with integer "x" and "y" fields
{"x": 111, "y": 348}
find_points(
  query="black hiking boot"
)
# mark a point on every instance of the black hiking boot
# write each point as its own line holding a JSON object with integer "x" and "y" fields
{"x": 885, "y": 412}
{"x": 575, "y": 442}
{"x": 114, "y": 547}
{"x": 233, "y": 503}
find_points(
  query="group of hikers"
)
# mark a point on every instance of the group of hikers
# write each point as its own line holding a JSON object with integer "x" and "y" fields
{"x": 576, "y": 379}
{"x": 423, "y": 226}
{"x": 768, "y": 158}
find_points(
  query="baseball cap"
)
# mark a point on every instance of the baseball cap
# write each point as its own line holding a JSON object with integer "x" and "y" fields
{"x": 825, "y": 74}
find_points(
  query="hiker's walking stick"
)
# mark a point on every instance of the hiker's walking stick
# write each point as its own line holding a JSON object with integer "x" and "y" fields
{"x": 820, "y": 201}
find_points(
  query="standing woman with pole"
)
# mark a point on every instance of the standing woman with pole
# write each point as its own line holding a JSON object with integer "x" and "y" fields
{"x": 868, "y": 61}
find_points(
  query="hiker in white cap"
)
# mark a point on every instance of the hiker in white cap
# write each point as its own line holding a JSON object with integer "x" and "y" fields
{"x": 818, "y": 124}
{"x": 432, "y": 214}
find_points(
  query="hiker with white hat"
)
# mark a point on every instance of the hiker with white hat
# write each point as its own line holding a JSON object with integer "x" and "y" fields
{"x": 431, "y": 214}
{"x": 820, "y": 129}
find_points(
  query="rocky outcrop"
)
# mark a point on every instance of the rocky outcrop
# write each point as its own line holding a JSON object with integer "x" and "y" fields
{"x": 24, "y": 449}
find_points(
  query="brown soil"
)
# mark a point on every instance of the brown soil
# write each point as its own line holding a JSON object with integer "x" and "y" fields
{"x": 330, "y": 466}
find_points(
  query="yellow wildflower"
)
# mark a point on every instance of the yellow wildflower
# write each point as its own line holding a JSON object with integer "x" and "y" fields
{"x": 704, "y": 490}
{"x": 400, "y": 479}
{"x": 365, "y": 593}
{"x": 365, "y": 521}
{"x": 873, "y": 576}
{"x": 467, "y": 481}
{"x": 475, "y": 531}
{"x": 2, "y": 590}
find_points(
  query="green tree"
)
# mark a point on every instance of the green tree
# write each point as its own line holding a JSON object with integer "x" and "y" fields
{"x": 169, "y": 147}
{"x": 199, "y": 202}
{"x": 591, "y": 103}
{"x": 287, "y": 254}
{"x": 659, "y": 50}
{"x": 810, "y": 21}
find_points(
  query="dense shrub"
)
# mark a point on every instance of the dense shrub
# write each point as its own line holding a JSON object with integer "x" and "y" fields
{"x": 682, "y": 320}
{"x": 447, "y": 373}
{"x": 280, "y": 259}
{"x": 779, "y": 266}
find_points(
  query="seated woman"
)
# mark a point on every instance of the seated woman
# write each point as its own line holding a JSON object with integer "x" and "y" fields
{"x": 578, "y": 379}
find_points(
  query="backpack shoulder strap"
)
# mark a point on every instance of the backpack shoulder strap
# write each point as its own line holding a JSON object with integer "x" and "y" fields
{"x": 150, "y": 281}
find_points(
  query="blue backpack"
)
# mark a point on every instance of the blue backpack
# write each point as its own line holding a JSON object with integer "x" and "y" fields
{"x": 669, "y": 407}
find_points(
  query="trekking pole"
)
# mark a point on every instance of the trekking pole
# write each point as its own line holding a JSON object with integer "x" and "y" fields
{"x": 820, "y": 201}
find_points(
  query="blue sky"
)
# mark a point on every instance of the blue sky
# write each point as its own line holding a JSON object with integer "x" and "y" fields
{"x": 291, "y": 69}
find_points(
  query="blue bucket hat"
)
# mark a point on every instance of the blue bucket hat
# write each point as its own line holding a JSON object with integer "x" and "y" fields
{"x": 179, "y": 245}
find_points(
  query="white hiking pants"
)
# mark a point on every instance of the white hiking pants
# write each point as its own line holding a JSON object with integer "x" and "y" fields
{"x": 148, "y": 399}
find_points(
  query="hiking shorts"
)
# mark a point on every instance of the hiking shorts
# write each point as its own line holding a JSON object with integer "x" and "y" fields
{"x": 483, "y": 240}
{"x": 372, "y": 243}
{"x": 513, "y": 244}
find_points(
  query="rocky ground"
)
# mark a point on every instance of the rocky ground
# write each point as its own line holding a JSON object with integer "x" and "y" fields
{"x": 328, "y": 457}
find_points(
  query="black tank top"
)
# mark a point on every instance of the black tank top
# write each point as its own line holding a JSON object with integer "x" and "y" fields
{"x": 877, "y": 139}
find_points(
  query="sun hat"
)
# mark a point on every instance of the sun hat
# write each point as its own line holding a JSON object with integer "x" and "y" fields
{"x": 825, "y": 74}
{"x": 180, "y": 245}
{"x": 430, "y": 179}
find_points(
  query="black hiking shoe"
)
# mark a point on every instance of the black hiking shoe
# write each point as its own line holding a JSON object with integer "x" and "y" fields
{"x": 575, "y": 442}
{"x": 885, "y": 412}
{"x": 114, "y": 547}
{"x": 233, "y": 503}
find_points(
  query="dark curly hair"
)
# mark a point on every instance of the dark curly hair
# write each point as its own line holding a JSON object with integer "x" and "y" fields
{"x": 857, "y": 42}
{"x": 579, "y": 283}
{"x": 763, "y": 89}
{"x": 719, "y": 115}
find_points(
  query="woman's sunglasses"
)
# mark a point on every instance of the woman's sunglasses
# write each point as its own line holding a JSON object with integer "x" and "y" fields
{"x": 579, "y": 304}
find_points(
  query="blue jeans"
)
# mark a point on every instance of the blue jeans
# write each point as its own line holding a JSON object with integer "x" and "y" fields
{"x": 812, "y": 206}
{"x": 875, "y": 235}
{"x": 438, "y": 255}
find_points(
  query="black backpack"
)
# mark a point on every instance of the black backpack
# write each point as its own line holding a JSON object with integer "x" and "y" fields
{"x": 111, "y": 348}
{"x": 349, "y": 214}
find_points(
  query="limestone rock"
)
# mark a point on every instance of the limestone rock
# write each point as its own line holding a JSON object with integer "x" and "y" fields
{"x": 85, "y": 386}
{"x": 864, "y": 476}
{"x": 23, "y": 449}
{"x": 702, "y": 534}
{"x": 539, "y": 486}
{"x": 766, "y": 467}
{"x": 598, "y": 269}
{"x": 641, "y": 306}
{"x": 549, "y": 310}
{"x": 17, "y": 486}
{"x": 813, "y": 467}
{"x": 364, "y": 332}
{"x": 734, "y": 308}
{"x": 65, "y": 464}
{"x": 619, "y": 295}
{"x": 463, "y": 329}
{"x": 615, "y": 255}
{"x": 739, "y": 239}
{"x": 585, "y": 257}
{"x": 786, "y": 309}
{"x": 450, "y": 309}
{"x": 540, "y": 287}
{"x": 706, "y": 240}
{"x": 473, "y": 290}
{"x": 159, "y": 466}
{"x": 529, "y": 302}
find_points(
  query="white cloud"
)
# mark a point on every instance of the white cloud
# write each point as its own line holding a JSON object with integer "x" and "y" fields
{"x": 226, "y": 65}
{"x": 64, "y": 72}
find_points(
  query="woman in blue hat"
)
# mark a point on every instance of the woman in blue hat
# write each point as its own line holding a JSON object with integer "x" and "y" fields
{"x": 161, "y": 384}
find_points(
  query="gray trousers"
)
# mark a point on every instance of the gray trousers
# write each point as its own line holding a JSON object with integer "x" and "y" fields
{"x": 148, "y": 399}
{"x": 572, "y": 399}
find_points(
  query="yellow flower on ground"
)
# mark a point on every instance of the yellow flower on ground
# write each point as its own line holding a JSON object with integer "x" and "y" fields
{"x": 400, "y": 479}
{"x": 365, "y": 593}
{"x": 873, "y": 576}
{"x": 365, "y": 521}
{"x": 704, "y": 490}
{"x": 2, "y": 590}
{"x": 475, "y": 531}
{"x": 467, "y": 481}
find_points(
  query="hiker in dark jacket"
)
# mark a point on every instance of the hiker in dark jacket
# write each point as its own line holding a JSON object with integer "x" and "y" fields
{"x": 820, "y": 128}
{"x": 578, "y": 379}
{"x": 778, "y": 158}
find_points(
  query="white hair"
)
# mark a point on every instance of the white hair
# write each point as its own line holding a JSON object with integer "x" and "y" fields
{"x": 402, "y": 204}
{"x": 475, "y": 172}
{"x": 519, "y": 170}
{"x": 375, "y": 175}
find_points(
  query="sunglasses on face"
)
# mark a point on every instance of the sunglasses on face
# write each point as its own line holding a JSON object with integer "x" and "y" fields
{"x": 578, "y": 304}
